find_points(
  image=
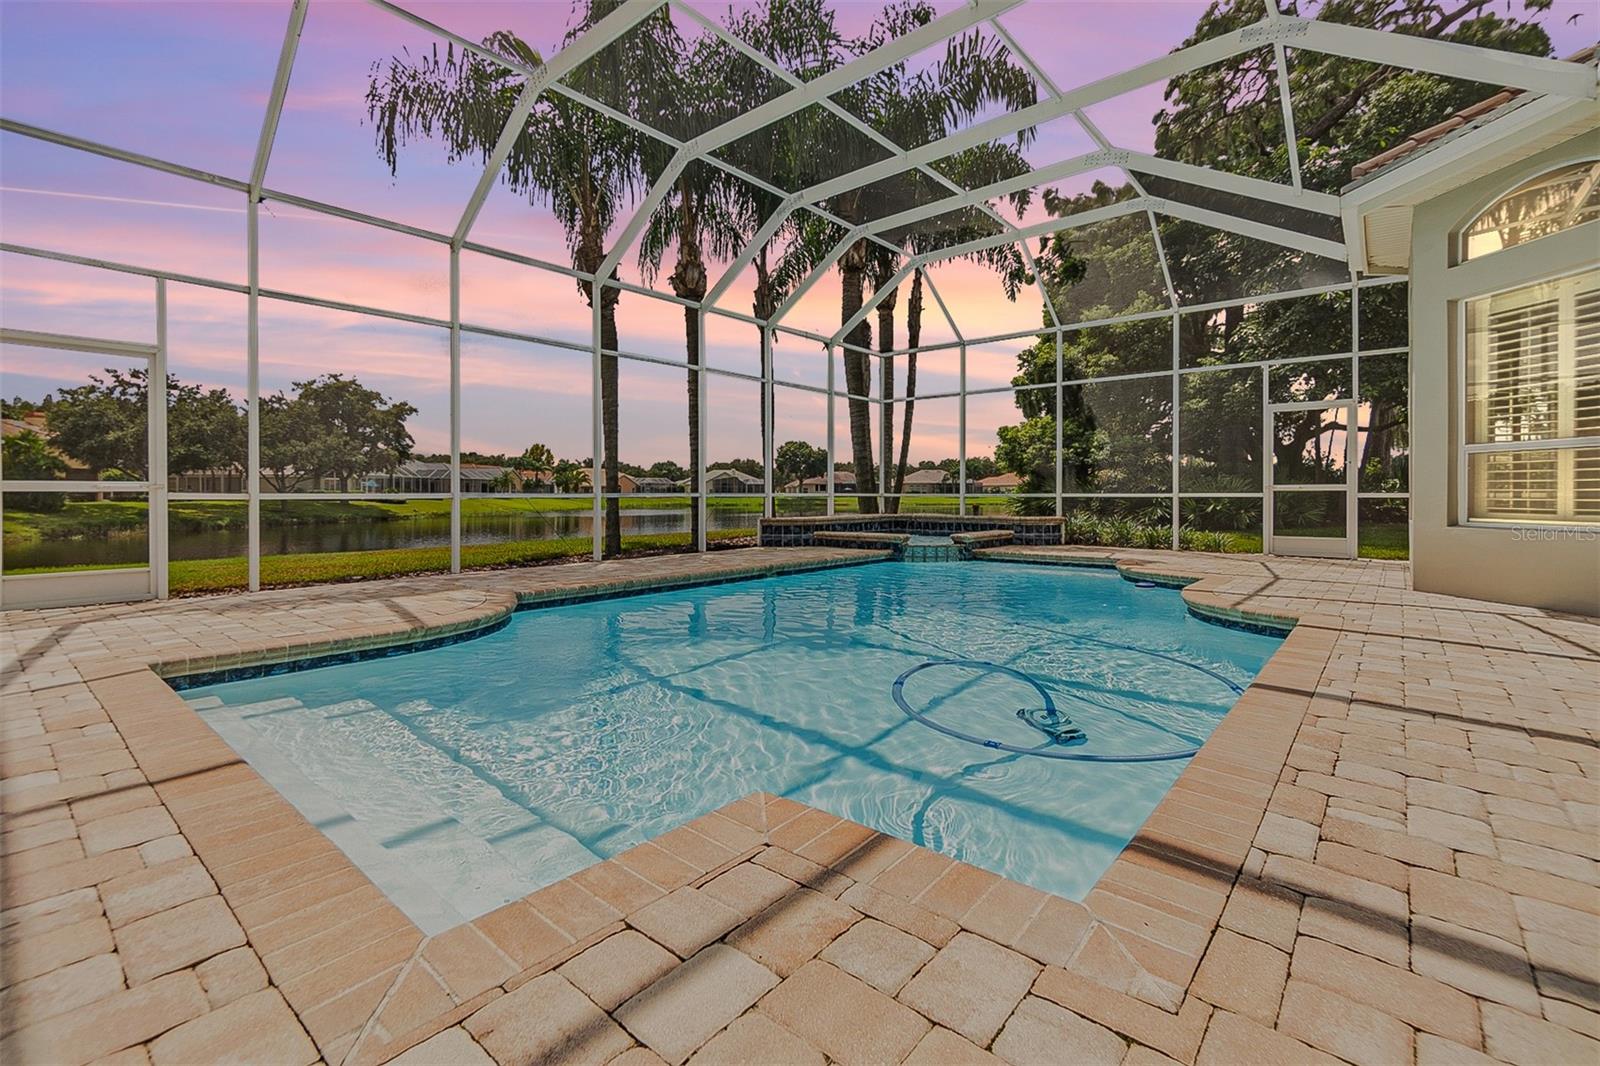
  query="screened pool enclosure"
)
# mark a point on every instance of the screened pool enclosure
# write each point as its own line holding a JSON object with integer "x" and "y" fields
{"x": 309, "y": 290}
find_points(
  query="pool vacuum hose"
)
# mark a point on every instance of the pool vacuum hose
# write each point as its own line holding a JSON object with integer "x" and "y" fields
{"x": 1057, "y": 728}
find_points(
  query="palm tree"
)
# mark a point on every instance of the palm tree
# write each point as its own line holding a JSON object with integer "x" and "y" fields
{"x": 579, "y": 163}
{"x": 801, "y": 35}
{"x": 536, "y": 459}
{"x": 706, "y": 84}
{"x": 974, "y": 168}
{"x": 911, "y": 109}
{"x": 570, "y": 477}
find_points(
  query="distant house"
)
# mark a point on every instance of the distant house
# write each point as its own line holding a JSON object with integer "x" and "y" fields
{"x": 34, "y": 422}
{"x": 532, "y": 481}
{"x": 843, "y": 481}
{"x": 654, "y": 485}
{"x": 999, "y": 483}
{"x": 228, "y": 480}
{"x": 727, "y": 482}
{"x": 417, "y": 477}
{"x": 929, "y": 480}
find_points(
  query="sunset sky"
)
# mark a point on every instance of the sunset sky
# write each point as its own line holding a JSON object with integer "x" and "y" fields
{"x": 188, "y": 82}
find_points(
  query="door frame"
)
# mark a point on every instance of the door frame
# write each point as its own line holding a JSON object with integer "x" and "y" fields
{"x": 120, "y": 584}
{"x": 1312, "y": 547}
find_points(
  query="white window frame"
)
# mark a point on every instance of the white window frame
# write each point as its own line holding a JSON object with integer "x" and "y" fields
{"x": 1458, "y": 249}
{"x": 1463, "y": 503}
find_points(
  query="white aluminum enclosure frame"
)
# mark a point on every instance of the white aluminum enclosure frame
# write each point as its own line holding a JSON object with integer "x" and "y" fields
{"x": 76, "y": 587}
{"x": 1276, "y": 543}
{"x": 1547, "y": 83}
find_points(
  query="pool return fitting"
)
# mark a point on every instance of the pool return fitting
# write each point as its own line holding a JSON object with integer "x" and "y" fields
{"x": 1057, "y": 728}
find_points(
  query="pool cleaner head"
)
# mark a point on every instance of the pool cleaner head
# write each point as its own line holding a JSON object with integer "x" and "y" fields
{"x": 1053, "y": 724}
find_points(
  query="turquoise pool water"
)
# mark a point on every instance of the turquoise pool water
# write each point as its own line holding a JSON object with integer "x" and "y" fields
{"x": 468, "y": 775}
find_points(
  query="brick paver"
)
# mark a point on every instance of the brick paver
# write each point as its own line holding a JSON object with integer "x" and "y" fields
{"x": 1385, "y": 853}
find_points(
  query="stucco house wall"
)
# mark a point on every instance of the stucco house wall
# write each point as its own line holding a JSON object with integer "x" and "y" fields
{"x": 1552, "y": 567}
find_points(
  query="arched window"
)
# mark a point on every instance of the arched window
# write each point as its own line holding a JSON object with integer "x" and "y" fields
{"x": 1549, "y": 203}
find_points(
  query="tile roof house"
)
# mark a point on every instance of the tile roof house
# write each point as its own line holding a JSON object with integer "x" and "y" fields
{"x": 726, "y": 481}
{"x": 34, "y": 422}
{"x": 843, "y": 481}
{"x": 999, "y": 483}
{"x": 930, "y": 480}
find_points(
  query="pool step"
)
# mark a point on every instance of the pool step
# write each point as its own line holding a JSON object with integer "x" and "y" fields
{"x": 443, "y": 826}
{"x": 932, "y": 553}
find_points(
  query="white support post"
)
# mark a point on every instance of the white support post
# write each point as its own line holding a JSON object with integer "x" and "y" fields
{"x": 1061, "y": 402}
{"x": 258, "y": 173}
{"x": 702, "y": 501}
{"x": 597, "y": 429}
{"x": 156, "y": 507}
{"x": 252, "y": 469}
{"x": 1268, "y": 435}
{"x": 961, "y": 429}
{"x": 768, "y": 404}
{"x": 1177, "y": 448}
{"x": 884, "y": 445}
{"x": 280, "y": 87}
{"x": 455, "y": 410}
{"x": 1354, "y": 515}
{"x": 1291, "y": 138}
{"x": 831, "y": 405}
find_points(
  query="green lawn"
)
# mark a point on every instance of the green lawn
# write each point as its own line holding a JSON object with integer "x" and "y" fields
{"x": 1375, "y": 540}
{"x": 100, "y": 518}
{"x": 114, "y": 517}
{"x": 187, "y": 576}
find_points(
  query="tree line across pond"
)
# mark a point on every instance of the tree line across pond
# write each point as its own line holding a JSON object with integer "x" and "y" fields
{"x": 325, "y": 430}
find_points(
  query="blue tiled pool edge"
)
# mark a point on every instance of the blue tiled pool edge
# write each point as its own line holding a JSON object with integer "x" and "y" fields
{"x": 184, "y": 681}
{"x": 181, "y": 682}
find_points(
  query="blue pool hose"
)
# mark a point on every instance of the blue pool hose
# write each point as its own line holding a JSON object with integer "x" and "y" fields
{"x": 1048, "y": 750}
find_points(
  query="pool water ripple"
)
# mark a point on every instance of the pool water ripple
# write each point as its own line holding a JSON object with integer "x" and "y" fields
{"x": 468, "y": 775}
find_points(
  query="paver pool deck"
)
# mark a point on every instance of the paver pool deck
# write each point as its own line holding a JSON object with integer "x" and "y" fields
{"x": 1386, "y": 853}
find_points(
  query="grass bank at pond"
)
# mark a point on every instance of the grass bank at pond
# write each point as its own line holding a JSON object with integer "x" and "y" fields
{"x": 105, "y": 518}
{"x": 99, "y": 518}
{"x": 189, "y": 576}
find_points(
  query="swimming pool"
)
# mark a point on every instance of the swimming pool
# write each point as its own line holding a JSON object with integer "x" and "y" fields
{"x": 465, "y": 776}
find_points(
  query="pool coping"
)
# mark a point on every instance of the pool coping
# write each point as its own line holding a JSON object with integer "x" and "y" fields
{"x": 196, "y": 674}
{"x": 1124, "y": 956}
{"x": 1206, "y": 606}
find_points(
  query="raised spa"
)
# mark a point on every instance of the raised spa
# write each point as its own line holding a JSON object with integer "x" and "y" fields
{"x": 468, "y": 775}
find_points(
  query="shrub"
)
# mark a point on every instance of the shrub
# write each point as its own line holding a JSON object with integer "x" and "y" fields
{"x": 29, "y": 457}
{"x": 1081, "y": 528}
{"x": 1118, "y": 532}
{"x": 1152, "y": 536}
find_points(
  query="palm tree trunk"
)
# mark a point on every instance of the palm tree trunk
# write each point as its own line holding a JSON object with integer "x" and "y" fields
{"x": 691, "y": 340}
{"x": 913, "y": 338}
{"x": 688, "y": 282}
{"x": 587, "y": 256}
{"x": 885, "y": 310}
{"x": 852, "y": 269}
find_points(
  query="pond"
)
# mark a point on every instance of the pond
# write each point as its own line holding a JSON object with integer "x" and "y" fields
{"x": 428, "y": 531}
